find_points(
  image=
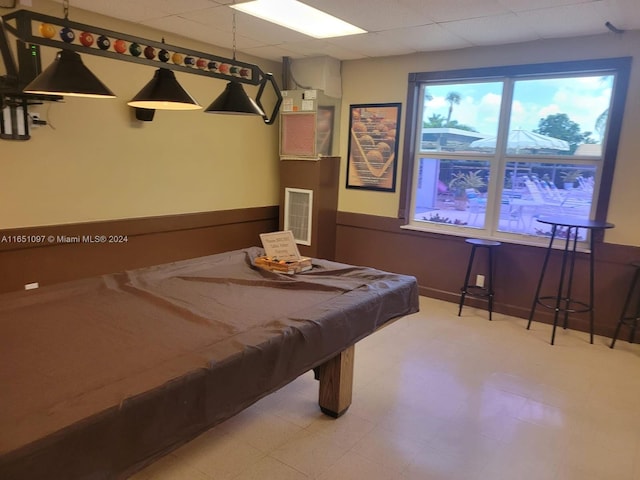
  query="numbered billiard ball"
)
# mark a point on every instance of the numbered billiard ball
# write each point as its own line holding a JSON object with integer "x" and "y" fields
{"x": 47, "y": 30}
{"x": 163, "y": 55}
{"x": 177, "y": 58}
{"x": 67, "y": 35}
{"x": 120, "y": 46}
{"x": 212, "y": 66}
{"x": 150, "y": 53}
{"x": 135, "y": 50}
{"x": 103, "y": 43}
{"x": 190, "y": 61}
{"x": 201, "y": 63}
{"x": 86, "y": 39}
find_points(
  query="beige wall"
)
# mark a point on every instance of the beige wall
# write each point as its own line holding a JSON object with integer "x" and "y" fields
{"x": 385, "y": 80}
{"x": 99, "y": 163}
{"x": 96, "y": 162}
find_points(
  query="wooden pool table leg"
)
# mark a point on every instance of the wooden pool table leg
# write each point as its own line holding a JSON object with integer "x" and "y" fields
{"x": 336, "y": 383}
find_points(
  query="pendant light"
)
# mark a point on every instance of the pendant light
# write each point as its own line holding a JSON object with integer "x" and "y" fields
{"x": 68, "y": 76}
{"x": 234, "y": 100}
{"x": 163, "y": 92}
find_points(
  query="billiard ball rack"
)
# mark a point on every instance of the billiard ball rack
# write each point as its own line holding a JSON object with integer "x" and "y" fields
{"x": 65, "y": 34}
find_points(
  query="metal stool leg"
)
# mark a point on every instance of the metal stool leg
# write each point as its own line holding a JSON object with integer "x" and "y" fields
{"x": 490, "y": 282}
{"x": 625, "y": 308}
{"x": 615, "y": 335}
{"x": 466, "y": 279}
{"x": 632, "y": 333}
{"x": 591, "y": 285}
{"x": 567, "y": 256}
{"x": 542, "y": 273}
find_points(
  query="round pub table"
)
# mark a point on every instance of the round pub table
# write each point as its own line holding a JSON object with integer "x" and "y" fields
{"x": 563, "y": 302}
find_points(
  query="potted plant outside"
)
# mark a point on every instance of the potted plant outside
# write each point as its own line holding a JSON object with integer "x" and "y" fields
{"x": 461, "y": 182}
{"x": 570, "y": 178}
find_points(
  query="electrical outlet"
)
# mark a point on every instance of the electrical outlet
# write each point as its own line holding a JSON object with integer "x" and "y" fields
{"x": 480, "y": 281}
{"x": 31, "y": 286}
{"x": 35, "y": 120}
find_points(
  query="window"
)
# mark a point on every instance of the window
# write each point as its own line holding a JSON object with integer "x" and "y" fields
{"x": 492, "y": 150}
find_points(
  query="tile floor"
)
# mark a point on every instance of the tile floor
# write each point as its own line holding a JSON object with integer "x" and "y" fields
{"x": 438, "y": 396}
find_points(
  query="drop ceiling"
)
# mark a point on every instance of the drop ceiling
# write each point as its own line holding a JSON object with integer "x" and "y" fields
{"x": 396, "y": 27}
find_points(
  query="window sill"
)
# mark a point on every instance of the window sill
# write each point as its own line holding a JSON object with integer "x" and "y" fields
{"x": 541, "y": 242}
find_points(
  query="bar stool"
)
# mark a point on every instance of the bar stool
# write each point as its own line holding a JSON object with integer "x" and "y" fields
{"x": 563, "y": 301}
{"x": 627, "y": 317}
{"x": 475, "y": 290}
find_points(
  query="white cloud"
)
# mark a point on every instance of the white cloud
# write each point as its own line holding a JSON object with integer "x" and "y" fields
{"x": 436, "y": 103}
{"x": 582, "y": 99}
{"x": 545, "y": 111}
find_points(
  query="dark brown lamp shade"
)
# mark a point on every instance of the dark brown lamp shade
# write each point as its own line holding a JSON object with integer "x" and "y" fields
{"x": 235, "y": 101}
{"x": 68, "y": 76}
{"x": 163, "y": 92}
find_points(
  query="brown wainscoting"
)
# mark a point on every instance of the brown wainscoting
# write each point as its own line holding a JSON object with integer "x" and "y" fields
{"x": 68, "y": 252}
{"x": 439, "y": 263}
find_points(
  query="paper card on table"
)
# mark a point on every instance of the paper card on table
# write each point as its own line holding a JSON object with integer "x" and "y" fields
{"x": 280, "y": 245}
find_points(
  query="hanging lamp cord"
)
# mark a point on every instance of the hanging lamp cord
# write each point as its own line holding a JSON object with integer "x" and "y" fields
{"x": 65, "y": 8}
{"x": 233, "y": 30}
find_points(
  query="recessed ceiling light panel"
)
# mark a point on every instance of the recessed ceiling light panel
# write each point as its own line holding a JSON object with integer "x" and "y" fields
{"x": 299, "y": 17}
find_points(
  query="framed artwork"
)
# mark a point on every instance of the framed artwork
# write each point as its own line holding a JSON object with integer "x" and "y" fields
{"x": 373, "y": 146}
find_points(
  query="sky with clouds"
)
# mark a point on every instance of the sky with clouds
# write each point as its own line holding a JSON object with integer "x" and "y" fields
{"x": 582, "y": 99}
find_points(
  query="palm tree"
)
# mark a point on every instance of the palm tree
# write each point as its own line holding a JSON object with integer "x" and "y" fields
{"x": 427, "y": 98}
{"x": 601, "y": 123}
{"x": 454, "y": 99}
{"x": 434, "y": 121}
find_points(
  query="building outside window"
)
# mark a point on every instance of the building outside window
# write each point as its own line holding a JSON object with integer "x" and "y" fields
{"x": 492, "y": 150}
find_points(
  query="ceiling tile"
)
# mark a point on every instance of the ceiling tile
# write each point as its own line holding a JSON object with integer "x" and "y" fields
{"x": 123, "y": 9}
{"x": 179, "y": 26}
{"x": 271, "y": 52}
{"x": 429, "y": 38}
{"x": 450, "y": 10}
{"x": 174, "y": 7}
{"x": 366, "y": 14}
{"x": 267, "y": 33}
{"x": 185, "y": 28}
{"x": 372, "y": 44}
{"x": 319, "y": 47}
{"x": 566, "y": 21}
{"x": 492, "y": 30}
{"x": 623, "y": 14}
{"x": 526, "y": 5}
{"x": 219, "y": 16}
